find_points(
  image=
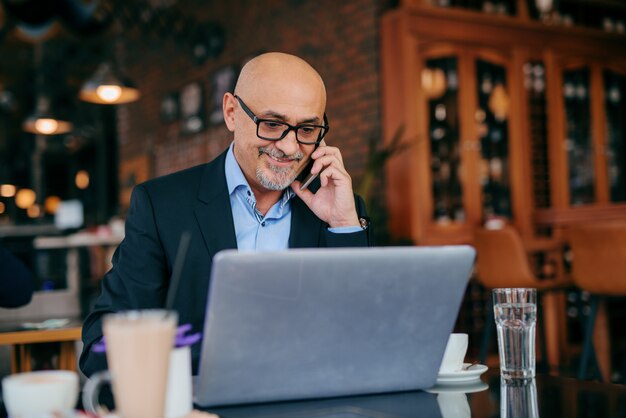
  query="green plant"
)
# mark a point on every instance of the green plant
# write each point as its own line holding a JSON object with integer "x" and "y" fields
{"x": 376, "y": 160}
{"x": 378, "y": 156}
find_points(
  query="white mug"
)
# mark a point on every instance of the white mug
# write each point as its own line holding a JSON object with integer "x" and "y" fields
{"x": 178, "y": 400}
{"x": 42, "y": 392}
{"x": 455, "y": 353}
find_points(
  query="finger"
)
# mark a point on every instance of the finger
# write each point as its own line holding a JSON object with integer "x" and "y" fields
{"x": 335, "y": 175}
{"x": 334, "y": 151}
{"x": 326, "y": 151}
{"x": 322, "y": 162}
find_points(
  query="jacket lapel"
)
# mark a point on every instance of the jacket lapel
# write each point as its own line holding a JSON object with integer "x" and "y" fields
{"x": 306, "y": 228}
{"x": 213, "y": 212}
{"x": 215, "y": 218}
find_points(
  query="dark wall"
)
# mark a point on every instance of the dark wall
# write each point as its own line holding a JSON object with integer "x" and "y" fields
{"x": 340, "y": 39}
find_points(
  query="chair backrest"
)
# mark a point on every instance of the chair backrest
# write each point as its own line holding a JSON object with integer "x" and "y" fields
{"x": 501, "y": 259}
{"x": 599, "y": 257}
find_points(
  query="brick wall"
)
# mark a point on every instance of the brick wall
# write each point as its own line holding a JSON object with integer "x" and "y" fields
{"x": 340, "y": 39}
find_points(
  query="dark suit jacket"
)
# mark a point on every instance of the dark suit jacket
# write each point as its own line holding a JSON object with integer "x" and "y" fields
{"x": 16, "y": 281}
{"x": 194, "y": 200}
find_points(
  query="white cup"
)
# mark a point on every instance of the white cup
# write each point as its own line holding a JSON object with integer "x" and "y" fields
{"x": 178, "y": 398}
{"x": 37, "y": 393}
{"x": 455, "y": 353}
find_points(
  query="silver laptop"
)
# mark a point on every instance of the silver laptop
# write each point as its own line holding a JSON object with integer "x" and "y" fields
{"x": 316, "y": 323}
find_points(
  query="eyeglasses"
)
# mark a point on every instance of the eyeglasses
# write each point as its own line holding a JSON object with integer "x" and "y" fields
{"x": 274, "y": 130}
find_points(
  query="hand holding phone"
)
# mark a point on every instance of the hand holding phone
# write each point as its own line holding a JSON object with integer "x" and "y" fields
{"x": 334, "y": 201}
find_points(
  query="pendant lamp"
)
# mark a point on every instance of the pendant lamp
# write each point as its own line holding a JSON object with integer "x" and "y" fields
{"x": 108, "y": 86}
{"x": 43, "y": 122}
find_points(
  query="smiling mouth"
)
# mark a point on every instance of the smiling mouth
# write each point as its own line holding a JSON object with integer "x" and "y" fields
{"x": 279, "y": 160}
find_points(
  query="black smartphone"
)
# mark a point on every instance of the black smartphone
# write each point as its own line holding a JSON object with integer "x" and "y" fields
{"x": 305, "y": 176}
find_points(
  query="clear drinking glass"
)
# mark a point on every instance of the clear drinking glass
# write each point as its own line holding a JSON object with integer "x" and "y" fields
{"x": 515, "y": 312}
{"x": 518, "y": 399}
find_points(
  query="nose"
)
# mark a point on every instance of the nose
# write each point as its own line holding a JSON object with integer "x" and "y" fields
{"x": 289, "y": 144}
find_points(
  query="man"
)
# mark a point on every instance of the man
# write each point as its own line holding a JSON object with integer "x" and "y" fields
{"x": 247, "y": 198}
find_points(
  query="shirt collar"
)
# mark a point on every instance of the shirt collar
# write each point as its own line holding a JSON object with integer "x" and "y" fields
{"x": 234, "y": 175}
{"x": 235, "y": 179}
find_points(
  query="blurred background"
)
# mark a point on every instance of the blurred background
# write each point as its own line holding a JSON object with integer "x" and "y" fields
{"x": 451, "y": 115}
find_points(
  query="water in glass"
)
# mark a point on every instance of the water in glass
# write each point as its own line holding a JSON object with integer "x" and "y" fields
{"x": 516, "y": 337}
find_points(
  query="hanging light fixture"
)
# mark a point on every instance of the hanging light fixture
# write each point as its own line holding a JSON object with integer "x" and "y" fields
{"x": 7, "y": 186}
{"x": 108, "y": 86}
{"x": 25, "y": 198}
{"x": 7, "y": 190}
{"x": 43, "y": 122}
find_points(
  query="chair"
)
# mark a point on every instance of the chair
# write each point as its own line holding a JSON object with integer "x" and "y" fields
{"x": 598, "y": 267}
{"x": 502, "y": 261}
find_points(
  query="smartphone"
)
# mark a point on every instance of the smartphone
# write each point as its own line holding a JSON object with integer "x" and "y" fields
{"x": 306, "y": 181}
{"x": 305, "y": 176}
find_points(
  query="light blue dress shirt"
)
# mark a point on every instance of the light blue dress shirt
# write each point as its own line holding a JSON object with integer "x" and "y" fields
{"x": 253, "y": 230}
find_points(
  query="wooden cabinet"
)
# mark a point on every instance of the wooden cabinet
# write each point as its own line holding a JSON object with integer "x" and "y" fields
{"x": 497, "y": 132}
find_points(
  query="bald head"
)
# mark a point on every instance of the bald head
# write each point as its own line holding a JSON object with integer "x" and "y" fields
{"x": 268, "y": 73}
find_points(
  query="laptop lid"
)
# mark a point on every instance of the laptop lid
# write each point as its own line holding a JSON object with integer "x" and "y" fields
{"x": 315, "y": 323}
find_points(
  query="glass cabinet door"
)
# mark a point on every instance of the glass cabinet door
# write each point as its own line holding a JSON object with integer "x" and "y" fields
{"x": 535, "y": 87}
{"x": 440, "y": 86}
{"x": 491, "y": 117}
{"x": 468, "y": 106}
{"x": 578, "y": 142}
{"x": 615, "y": 109}
{"x": 595, "y": 145}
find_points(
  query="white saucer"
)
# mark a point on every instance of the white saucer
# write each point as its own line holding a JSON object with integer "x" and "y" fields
{"x": 461, "y": 376}
{"x": 469, "y": 387}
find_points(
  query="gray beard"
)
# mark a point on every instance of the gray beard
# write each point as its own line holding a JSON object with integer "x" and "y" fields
{"x": 283, "y": 177}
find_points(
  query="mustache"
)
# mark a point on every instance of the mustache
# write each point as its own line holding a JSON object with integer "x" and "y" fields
{"x": 279, "y": 154}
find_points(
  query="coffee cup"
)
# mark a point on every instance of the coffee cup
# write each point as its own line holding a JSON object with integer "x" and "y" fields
{"x": 32, "y": 394}
{"x": 454, "y": 354}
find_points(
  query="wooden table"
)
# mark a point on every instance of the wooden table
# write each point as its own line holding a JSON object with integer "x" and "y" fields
{"x": 21, "y": 342}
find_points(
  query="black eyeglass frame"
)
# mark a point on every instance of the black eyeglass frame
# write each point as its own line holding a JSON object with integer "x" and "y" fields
{"x": 324, "y": 128}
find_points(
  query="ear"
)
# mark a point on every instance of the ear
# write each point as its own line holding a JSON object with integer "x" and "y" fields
{"x": 228, "y": 107}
